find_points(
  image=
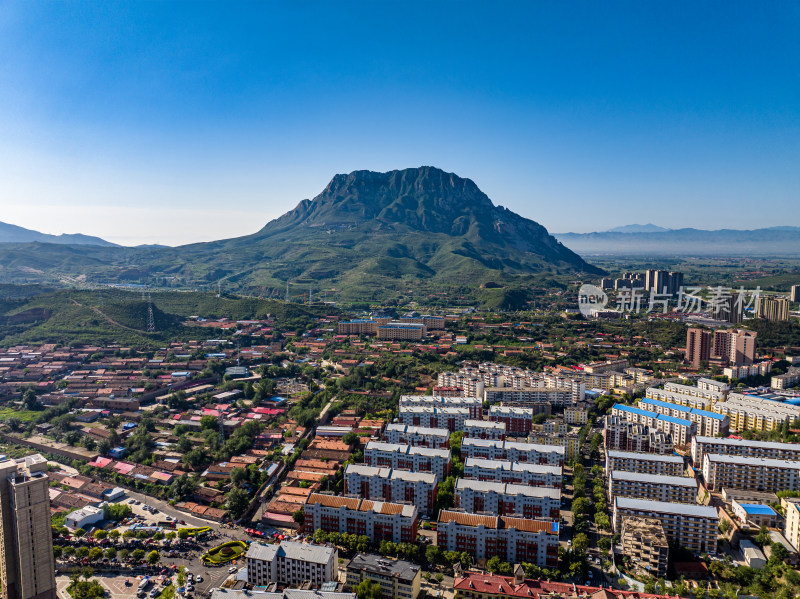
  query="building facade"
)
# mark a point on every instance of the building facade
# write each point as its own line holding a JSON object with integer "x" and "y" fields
{"x": 378, "y": 520}
{"x": 27, "y": 565}
{"x": 643, "y": 541}
{"x": 645, "y": 463}
{"x": 503, "y": 499}
{"x": 291, "y": 564}
{"x": 756, "y": 474}
{"x": 398, "y": 486}
{"x": 525, "y": 453}
{"x": 674, "y": 489}
{"x": 397, "y": 578}
{"x": 408, "y": 457}
{"x": 417, "y": 436}
{"x": 503, "y": 471}
{"x": 511, "y": 539}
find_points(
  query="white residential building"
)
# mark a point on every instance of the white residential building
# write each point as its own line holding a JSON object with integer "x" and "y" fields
{"x": 291, "y": 564}
{"x": 418, "y": 436}
{"x": 418, "y": 488}
{"x": 646, "y": 463}
{"x": 503, "y": 499}
{"x": 513, "y": 451}
{"x": 511, "y": 472}
{"x": 408, "y": 457}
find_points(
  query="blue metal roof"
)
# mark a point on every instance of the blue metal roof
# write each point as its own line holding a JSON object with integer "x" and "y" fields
{"x": 674, "y": 420}
{"x": 757, "y": 509}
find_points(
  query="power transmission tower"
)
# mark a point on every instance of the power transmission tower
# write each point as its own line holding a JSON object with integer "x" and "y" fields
{"x": 151, "y": 323}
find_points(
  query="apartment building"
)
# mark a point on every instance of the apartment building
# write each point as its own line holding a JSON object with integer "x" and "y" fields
{"x": 792, "y": 524}
{"x": 734, "y": 346}
{"x": 476, "y": 496}
{"x": 534, "y": 475}
{"x": 391, "y": 485}
{"x": 624, "y": 435}
{"x": 27, "y": 565}
{"x": 774, "y": 309}
{"x": 538, "y": 394}
{"x": 511, "y": 539}
{"x": 705, "y": 384}
{"x": 484, "y": 429}
{"x": 291, "y": 564}
{"x": 757, "y": 474}
{"x": 397, "y": 578}
{"x": 360, "y": 326}
{"x": 417, "y": 436}
{"x": 576, "y": 415}
{"x": 786, "y": 381}
{"x": 432, "y": 323}
{"x": 452, "y": 419}
{"x": 518, "y": 421}
{"x": 401, "y": 331}
{"x": 698, "y": 346}
{"x": 744, "y": 448}
{"x": 747, "y": 412}
{"x": 681, "y": 430}
{"x": 474, "y": 405}
{"x": 569, "y": 441}
{"x": 408, "y": 457}
{"x": 690, "y": 526}
{"x": 673, "y": 489}
{"x": 528, "y": 453}
{"x": 643, "y": 541}
{"x": 744, "y": 371}
{"x": 379, "y": 520}
{"x": 646, "y": 463}
{"x": 709, "y": 424}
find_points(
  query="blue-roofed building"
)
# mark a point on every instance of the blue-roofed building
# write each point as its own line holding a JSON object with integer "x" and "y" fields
{"x": 682, "y": 430}
{"x": 756, "y": 515}
{"x": 709, "y": 424}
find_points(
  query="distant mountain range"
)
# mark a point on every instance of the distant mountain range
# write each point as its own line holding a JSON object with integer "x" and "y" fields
{"x": 651, "y": 240}
{"x": 14, "y": 234}
{"x": 365, "y": 231}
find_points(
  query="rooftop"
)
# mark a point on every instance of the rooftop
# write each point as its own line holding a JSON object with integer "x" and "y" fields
{"x": 396, "y": 568}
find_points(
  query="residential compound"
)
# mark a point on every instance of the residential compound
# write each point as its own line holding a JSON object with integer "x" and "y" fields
{"x": 507, "y": 499}
{"x": 518, "y": 421}
{"x": 743, "y": 412}
{"x": 681, "y": 430}
{"x": 503, "y": 471}
{"x": 401, "y": 328}
{"x": 378, "y": 520}
{"x": 291, "y": 564}
{"x": 707, "y": 423}
{"x": 408, "y": 457}
{"x": 690, "y": 526}
{"x": 417, "y": 436}
{"x": 511, "y": 539}
{"x": 27, "y": 565}
{"x": 417, "y": 488}
{"x": 526, "y": 453}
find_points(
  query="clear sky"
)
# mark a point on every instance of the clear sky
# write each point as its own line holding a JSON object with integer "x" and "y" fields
{"x": 165, "y": 122}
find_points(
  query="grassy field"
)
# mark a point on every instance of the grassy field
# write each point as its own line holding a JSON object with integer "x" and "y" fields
{"x": 23, "y": 415}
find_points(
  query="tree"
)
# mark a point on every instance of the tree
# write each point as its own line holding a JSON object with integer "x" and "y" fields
{"x": 433, "y": 553}
{"x": 123, "y": 554}
{"x": 763, "y": 538}
{"x": 367, "y": 589}
{"x": 30, "y": 401}
{"x": 100, "y": 534}
{"x": 580, "y": 544}
{"x": 153, "y": 557}
{"x": 238, "y": 476}
{"x": 580, "y": 507}
{"x": 79, "y": 532}
{"x": 493, "y": 564}
{"x": 138, "y": 554}
{"x": 58, "y": 551}
{"x": 725, "y": 526}
{"x": 350, "y": 438}
{"x": 95, "y": 553}
{"x": 110, "y": 553}
{"x": 236, "y": 502}
{"x": 439, "y": 577}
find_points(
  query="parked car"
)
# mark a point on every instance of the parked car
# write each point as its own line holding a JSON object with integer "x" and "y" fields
{"x": 232, "y": 569}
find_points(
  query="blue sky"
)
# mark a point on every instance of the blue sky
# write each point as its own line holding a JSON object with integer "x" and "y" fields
{"x": 165, "y": 122}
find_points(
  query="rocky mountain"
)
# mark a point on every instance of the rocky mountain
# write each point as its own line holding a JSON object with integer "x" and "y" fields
{"x": 364, "y": 231}
{"x": 14, "y": 234}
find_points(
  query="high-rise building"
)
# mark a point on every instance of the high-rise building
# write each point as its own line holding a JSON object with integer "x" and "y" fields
{"x": 736, "y": 347}
{"x": 662, "y": 281}
{"x": 774, "y": 309}
{"x": 728, "y": 309}
{"x": 795, "y": 294}
{"x": 27, "y": 565}
{"x": 698, "y": 346}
